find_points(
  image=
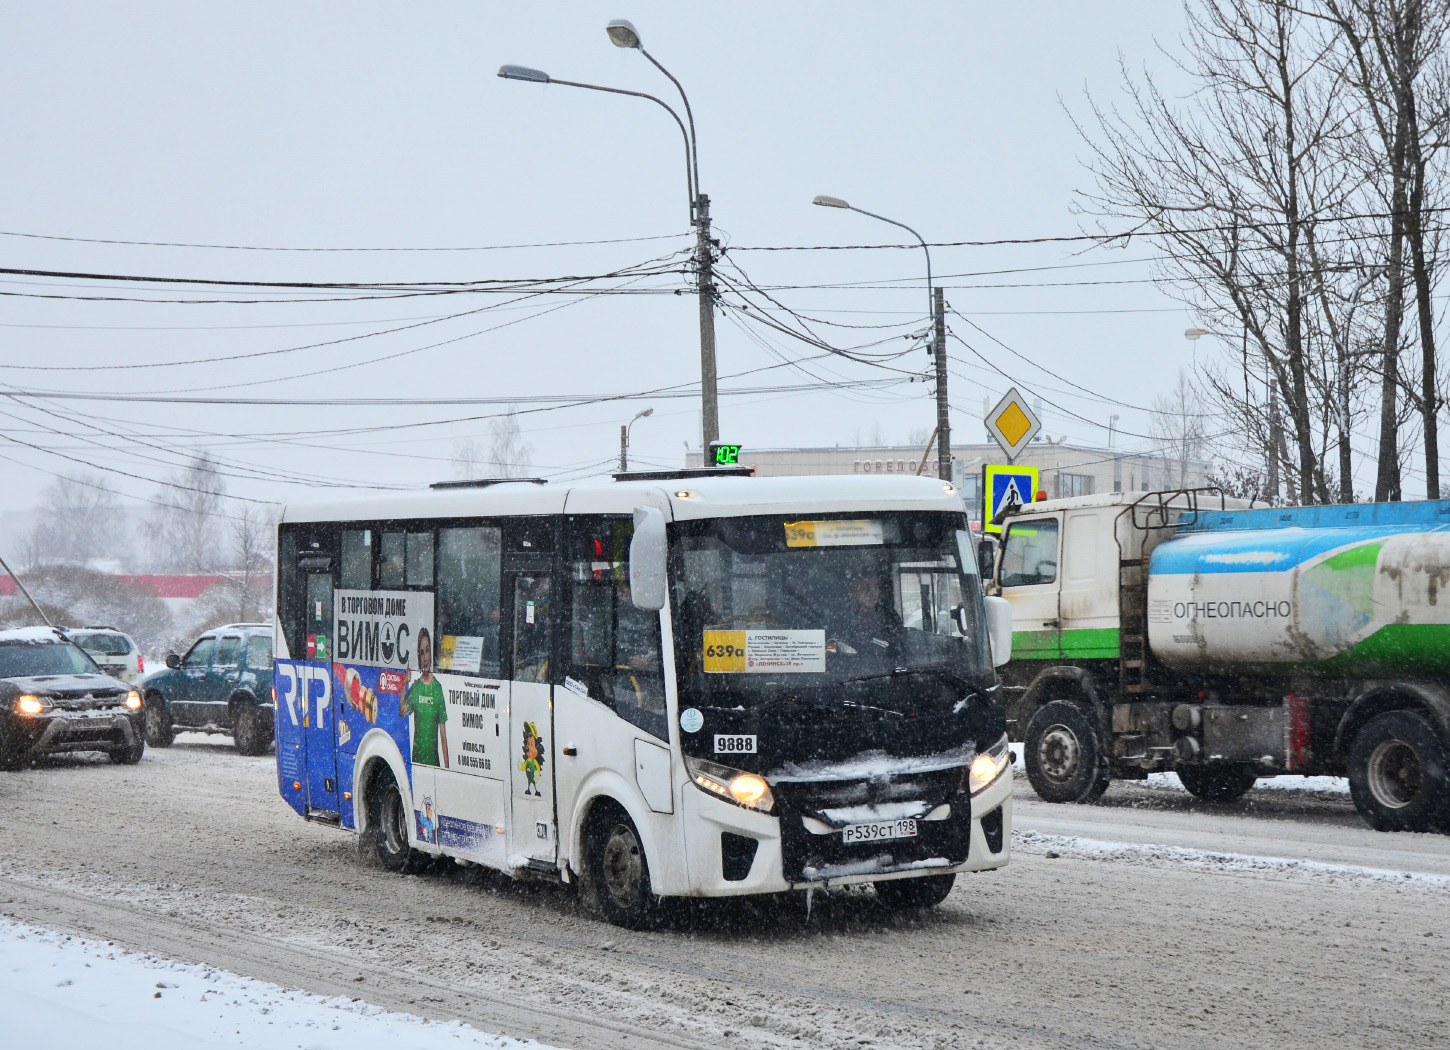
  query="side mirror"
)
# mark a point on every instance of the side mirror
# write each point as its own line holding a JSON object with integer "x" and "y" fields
{"x": 173, "y": 660}
{"x": 999, "y": 629}
{"x": 987, "y": 558}
{"x": 647, "y": 557}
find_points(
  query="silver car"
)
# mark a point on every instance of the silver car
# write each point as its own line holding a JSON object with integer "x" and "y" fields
{"x": 114, "y": 651}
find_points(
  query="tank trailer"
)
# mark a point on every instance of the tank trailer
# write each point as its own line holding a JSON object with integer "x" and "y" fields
{"x": 1187, "y": 632}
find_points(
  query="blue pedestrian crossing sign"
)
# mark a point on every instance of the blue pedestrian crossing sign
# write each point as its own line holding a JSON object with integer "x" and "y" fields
{"x": 1004, "y": 487}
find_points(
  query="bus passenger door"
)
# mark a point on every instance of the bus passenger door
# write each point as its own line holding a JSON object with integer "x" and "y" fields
{"x": 533, "y": 831}
{"x": 316, "y": 691}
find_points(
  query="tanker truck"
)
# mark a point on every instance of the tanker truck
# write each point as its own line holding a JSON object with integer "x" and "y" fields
{"x": 1187, "y": 632}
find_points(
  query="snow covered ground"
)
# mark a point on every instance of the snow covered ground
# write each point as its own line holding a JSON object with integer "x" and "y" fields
{"x": 63, "y": 993}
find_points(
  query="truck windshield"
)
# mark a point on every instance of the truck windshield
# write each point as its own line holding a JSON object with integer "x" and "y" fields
{"x": 766, "y": 605}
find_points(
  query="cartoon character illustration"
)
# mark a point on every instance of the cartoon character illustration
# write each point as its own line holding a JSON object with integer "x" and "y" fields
{"x": 424, "y": 701}
{"x": 533, "y": 763}
{"x": 427, "y": 822}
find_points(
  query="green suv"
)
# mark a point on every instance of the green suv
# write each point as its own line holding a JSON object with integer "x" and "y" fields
{"x": 222, "y": 685}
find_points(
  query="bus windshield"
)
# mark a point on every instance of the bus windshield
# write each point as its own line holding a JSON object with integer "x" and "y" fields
{"x": 765, "y": 606}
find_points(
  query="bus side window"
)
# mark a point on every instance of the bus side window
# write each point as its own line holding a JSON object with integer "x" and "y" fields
{"x": 614, "y": 648}
{"x": 390, "y": 562}
{"x": 469, "y": 608}
{"x": 532, "y": 615}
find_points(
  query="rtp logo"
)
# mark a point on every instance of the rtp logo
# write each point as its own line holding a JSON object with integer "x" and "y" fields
{"x": 1004, "y": 487}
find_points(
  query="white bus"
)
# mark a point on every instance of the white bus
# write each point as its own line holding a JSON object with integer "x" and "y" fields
{"x": 677, "y": 684}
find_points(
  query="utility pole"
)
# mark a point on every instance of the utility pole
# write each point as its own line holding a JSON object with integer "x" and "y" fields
{"x": 624, "y": 438}
{"x": 943, "y": 409}
{"x": 622, "y": 33}
{"x": 705, "y": 272}
{"x": 937, "y": 311}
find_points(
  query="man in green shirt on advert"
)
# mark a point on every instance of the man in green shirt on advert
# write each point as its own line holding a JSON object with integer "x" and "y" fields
{"x": 424, "y": 701}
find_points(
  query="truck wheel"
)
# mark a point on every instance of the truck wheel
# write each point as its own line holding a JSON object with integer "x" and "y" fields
{"x": 618, "y": 870}
{"x": 250, "y": 731}
{"x": 1216, "y": 783}
{"x": 1397, "y": 773}
{"x": 907, "y": 894}
{"x": 1064, "y": 755}
{"x": 386, "y": 838}
{"x": 160, "y": 730}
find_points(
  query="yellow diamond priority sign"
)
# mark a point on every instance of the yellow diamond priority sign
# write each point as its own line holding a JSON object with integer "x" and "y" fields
{"x": 1013, "y": 423}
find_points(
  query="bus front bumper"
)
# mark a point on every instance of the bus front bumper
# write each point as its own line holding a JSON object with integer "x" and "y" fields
{"x": 732, "y": 851}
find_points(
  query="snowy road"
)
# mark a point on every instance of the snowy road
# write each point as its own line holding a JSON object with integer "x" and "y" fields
{"x": 1158, "y": 941}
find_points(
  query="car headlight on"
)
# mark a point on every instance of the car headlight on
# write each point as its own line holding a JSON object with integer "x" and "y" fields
{"x": 988, "y": 766}
{"x": 733, "y": 785}
{"x": 29, "y": 705}
{"x": 133, "y": 700}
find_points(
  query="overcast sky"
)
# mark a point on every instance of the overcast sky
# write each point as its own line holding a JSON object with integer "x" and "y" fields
{"x": 369, "y": 126}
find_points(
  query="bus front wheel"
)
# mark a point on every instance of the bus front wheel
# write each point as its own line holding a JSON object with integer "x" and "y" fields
{"x": 619, "y": 880}
{"x": 386, "y": 838}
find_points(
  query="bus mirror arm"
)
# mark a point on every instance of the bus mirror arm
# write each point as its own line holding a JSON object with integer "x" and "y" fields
{"x": 647, "y": 560}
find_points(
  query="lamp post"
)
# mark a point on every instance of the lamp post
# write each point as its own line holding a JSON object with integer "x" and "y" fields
{"x": 623, "y": 34}
{"x": 624, "y": 438}
{"x": 936, "y": 309}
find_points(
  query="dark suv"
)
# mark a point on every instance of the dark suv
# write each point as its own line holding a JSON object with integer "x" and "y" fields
{"x": 54, "y": 698}
{"x": 222, "y": 685}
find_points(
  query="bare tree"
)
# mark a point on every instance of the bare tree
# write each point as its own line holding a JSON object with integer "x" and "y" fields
{"x": 501, "y": 454}
{"x": 185, "y": 528}
{"x": 1243, "y": 185}
{"x": 1394, "y": 56}
{"x": 78, "y": 522}
{"x": 254, "y": 537}
{"x": 1177, "y": 429}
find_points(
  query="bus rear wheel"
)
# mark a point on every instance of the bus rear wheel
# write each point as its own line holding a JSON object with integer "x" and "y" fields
{"x": 906, "y": 894}
{"x": 1397, "y": 773}
{"x": 386, "y": 838}
{"x": 618, "y": 870}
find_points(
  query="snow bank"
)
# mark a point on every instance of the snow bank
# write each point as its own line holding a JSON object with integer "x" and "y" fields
{"x": 1096, "y": 849}
{"x": 66, "y": 993}
{"x": 1287, "y": 782}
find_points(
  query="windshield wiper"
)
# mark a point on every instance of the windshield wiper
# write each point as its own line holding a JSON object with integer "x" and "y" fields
{"x": 951, "y": 677}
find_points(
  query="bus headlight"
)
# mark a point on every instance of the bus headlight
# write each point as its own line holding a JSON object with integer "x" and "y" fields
{"x": 133, "y": 700}
{"x": 733, "y": 785}
{"x": 29, "y": 705}
{"x": 988, "y": 766}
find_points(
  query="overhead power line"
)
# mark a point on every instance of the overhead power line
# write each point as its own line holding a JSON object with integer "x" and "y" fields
{"x": 356, "y": 402}
{"x": 275, "y": 248}
{"x": 1123, "y": 236}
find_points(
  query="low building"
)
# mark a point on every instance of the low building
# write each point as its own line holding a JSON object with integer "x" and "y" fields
{"x": 1065, "y": 470}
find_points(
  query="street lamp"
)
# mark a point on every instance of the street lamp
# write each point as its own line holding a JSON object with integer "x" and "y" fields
{"x": 622, "y": 33}
{"x": 936, "y": 309}
{"x": 624, "y": 438}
